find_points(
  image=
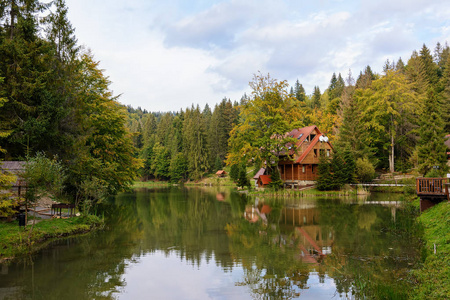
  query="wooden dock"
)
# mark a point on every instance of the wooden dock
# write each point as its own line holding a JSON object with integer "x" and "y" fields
{"x": 431, "y": 191}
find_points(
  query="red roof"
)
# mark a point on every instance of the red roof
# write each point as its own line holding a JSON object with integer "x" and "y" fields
{"x": 302, "y": 133}
{"x": 265, "y": 179}
{"x": 221, "y": 172}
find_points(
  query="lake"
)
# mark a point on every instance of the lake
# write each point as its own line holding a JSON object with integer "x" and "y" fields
{"x": 213, "y": 243}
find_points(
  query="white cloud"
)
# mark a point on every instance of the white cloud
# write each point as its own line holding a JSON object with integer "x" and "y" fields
{"x": 166, "y": 55}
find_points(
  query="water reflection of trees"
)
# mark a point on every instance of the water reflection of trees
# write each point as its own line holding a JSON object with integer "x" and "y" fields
{"x": 362, "y": 248}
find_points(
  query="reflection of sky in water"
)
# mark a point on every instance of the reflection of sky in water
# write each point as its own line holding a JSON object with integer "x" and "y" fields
{"x": 165, "y": 276}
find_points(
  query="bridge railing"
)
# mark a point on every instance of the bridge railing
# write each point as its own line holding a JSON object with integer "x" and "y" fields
{"x": 431, "y": 186}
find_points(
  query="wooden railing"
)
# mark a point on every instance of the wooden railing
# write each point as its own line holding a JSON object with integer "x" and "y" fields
{"x": 432, "y": 186}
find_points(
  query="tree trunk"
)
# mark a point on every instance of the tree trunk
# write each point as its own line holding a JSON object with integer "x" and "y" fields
{"x": 391, "y": 156}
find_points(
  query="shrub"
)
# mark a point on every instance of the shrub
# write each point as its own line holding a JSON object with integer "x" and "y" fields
{"x": 365, "y": 171}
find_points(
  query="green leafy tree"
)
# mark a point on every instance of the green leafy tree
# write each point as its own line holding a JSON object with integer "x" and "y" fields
{"x": 6, "y": 180}
{"x": 387, "y": 106}
{"x": 104, "y": 149}
{"x": 44, "y": 177}
{"x": 365, "y": 171}
{"x": 264, "y": 120}
{"x": 7, "y": 203}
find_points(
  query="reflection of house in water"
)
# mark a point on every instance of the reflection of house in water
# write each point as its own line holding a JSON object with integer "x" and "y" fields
{"x": 254, "y": 213}
{"x": 315, "y": 241}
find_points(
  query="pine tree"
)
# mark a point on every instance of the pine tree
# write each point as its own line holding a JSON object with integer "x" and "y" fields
{"x": 316, "y": 97}
{"x": 178, "y": 168}
{"x": 243, "y": 180}
{"x": 195, "y": 143}
{"x": 430, "y": 67}
{"x": 365, "y": 79}
{"x": 431, "y": 148}
{"x": 234, "y": 172}
{"x": 299, "y": 92}
{"x": 445, "y": 96}
{"x": 324, "y": 177}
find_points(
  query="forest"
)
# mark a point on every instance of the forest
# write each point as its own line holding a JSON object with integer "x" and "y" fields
{"x": 55, "y": 100}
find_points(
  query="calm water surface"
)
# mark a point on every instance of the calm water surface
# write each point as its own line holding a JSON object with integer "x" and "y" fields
{"x": 192, "y": 243}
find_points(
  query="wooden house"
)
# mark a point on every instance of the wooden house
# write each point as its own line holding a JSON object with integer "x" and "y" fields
{"x": 264, "y": 180}
{"x": 301, "y": 166}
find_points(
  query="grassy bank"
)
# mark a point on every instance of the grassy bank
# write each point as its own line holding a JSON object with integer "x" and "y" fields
{"x": 432, "y": 281}
{"x": 16, "y": 241}
{"x": 150, "y": 184}
{"x": 210, "y": 180}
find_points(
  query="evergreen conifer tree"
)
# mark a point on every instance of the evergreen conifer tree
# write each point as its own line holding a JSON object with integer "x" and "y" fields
{"x": 431, "y": 148}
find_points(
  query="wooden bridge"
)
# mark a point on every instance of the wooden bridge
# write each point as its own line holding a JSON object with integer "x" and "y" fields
{"x": 431, "y": 191}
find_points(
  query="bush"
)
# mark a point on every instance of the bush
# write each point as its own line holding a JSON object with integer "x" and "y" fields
{"x": 365, "y": 171}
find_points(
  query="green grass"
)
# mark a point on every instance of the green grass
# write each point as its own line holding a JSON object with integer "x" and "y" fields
{"x": 16, "y": 241}
{"x": 150, "y": 183}
{"x": 313, "y": 192}
{"x": 432, "y": 280}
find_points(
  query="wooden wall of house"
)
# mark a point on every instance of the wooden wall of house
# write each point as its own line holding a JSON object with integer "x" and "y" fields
{"x": 313, "y": 157}
{"x": 291, "y": 171}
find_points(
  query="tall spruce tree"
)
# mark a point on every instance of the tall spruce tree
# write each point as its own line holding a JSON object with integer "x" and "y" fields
{"x": 315, "y": 100}
{"x": 431, "y": 149}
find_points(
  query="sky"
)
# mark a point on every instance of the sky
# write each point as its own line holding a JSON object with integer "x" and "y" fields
{"x": 168, "y": 55}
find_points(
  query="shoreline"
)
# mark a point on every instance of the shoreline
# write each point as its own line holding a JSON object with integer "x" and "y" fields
{"x": 16, "y": 242}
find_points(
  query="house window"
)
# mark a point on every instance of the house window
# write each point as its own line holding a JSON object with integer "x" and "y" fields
{"x": 328, "y": 152}
{"x": 315, "y": 152}
{"x": 312, "y": 169}
{"x": 303, "y": 169}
